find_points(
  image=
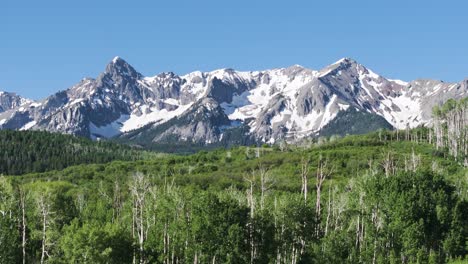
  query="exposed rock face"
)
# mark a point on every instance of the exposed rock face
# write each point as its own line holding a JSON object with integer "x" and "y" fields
{"x": 10, "y": 101}
{"x": 205, "y": 107}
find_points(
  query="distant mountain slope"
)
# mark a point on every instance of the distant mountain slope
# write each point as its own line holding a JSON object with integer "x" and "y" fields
{"x": 354, "y": 122}
{"x": 201, "y": 107}
{"x": 38, "y": 151}
{"x": 10, "y": 101}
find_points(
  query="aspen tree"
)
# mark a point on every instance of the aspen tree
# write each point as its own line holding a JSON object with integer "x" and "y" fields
{"x": 304, "y": 177}
{"x": 45, "y": 212}
{"x": 22, "y": 204}
{"x": 139, "y": 188}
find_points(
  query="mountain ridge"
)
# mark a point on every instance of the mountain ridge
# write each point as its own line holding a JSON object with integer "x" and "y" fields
{"x": 284, "y": 103}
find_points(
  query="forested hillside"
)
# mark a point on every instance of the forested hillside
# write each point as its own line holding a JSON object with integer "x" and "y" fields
{"x": 386, "y": 197}
{"x": 38, "y": 151}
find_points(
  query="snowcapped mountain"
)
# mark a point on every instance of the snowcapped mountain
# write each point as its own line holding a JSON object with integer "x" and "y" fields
{"x": 10, "y": 101}
{"x": 209, "y": 107}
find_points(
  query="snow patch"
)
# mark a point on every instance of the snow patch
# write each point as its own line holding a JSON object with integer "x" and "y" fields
{"x": 171, "y": 101}
{"x": 156, "y": 116}
{"x": 343, "y": 107}
{"x": 328, "y": 114}
{"x": 35, "y": 104}
{"x": 28, "y": 125}
{"x": 399, "y": 82}
{"x": 108, "y": 130}
{"x": 409, "y": 113}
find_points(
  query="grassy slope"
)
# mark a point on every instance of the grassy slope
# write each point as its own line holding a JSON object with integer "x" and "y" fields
{"x": 222, "y": 168}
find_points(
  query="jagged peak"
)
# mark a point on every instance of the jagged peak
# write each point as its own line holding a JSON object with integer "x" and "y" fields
{"x": 119, "y": 66}
{"x": 228, "y": 71}
{"x": 297, "y": 69}
{"x": 6, "y": 93}
{"x": 342, "y": 64}
{"x": 9, "y": 94}
{"x": 166, "y": 75}
{"x": 296, "y": 66}
{"x": 116, "y": 59}
{"x": 227, "y": 74}
{"x": 346, "y": 60}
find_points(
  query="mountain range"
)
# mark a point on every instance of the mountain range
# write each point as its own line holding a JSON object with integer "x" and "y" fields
{"x": 230, "y": 106}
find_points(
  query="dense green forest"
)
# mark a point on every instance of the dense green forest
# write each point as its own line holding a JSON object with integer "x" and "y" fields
{"x": 37, "y": 151}
{"x": 384, "y": 197}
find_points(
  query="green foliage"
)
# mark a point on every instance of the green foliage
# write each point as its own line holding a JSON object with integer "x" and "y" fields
{"x": 95, "y": 242}
{"x": 450, "y": 128}
{"x": 212, "y": 206}
{"x": 449, "y": 105}
{"x": 36, "y": 151}
{"x": 9, "y": 246}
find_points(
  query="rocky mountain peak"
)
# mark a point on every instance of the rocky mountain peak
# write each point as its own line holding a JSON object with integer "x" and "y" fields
{"x": 207, "y": 107}
{"x": 295, "y": 70}
{"x": 347, "y": 61}
{"x": 119, "y": 67}
{"x": 344, "y": 64}
{"x": 10, "y": 101}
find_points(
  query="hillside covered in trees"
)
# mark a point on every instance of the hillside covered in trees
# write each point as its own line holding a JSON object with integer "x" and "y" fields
{"x": 37, "y": 151}
{"x": 384, "y": 197}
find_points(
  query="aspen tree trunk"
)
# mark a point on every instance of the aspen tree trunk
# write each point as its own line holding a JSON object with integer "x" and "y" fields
{"x": 320, "y": 179}
{"x": 328, "y": 211}
{"x": 44, "y": 208}
{"x": 265, "y": 184}
{"x": 117, "y": 202}
{"x": 415, "y": 161}
{"x": 251, "y": 204}
{"x": 322, "y": 173}
{"x": 278, "y": 254}
{"x": 388, "y": 165}
{"x": 141, "y": 235}
{"x": 139, "y": 188}
{"x": 44, "y": 229}
{"x": 358, "y": 231}
{"x": 133, "y": 231}
{"x": 23, "y": 223}
{"x": 304, "y": 177}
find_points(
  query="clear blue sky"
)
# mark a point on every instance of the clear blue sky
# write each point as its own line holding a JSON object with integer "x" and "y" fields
{"x": 46, "y": 46}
